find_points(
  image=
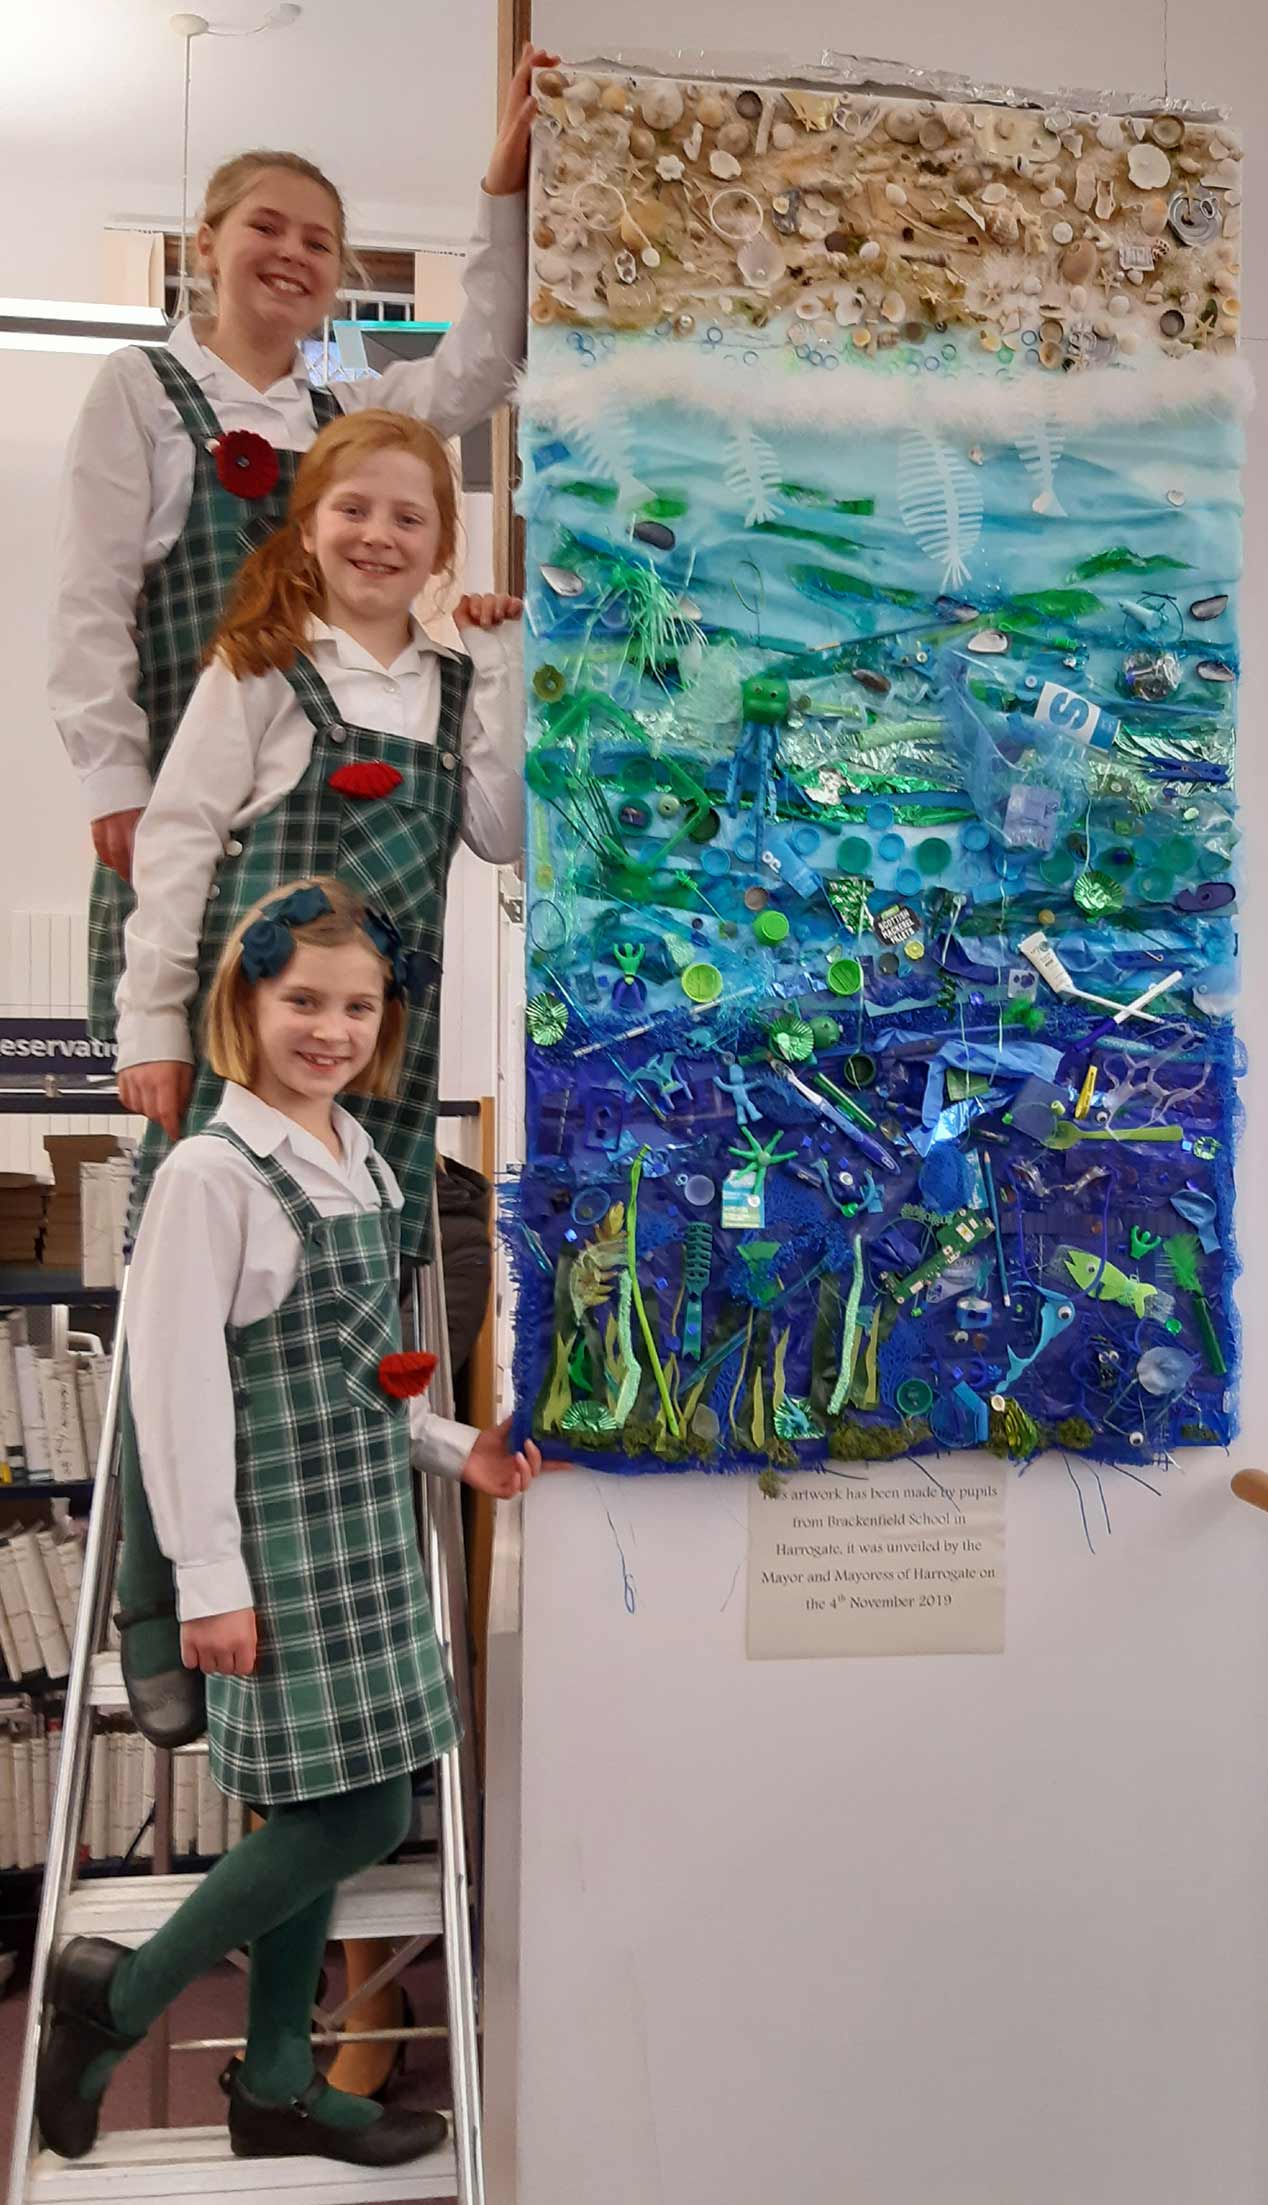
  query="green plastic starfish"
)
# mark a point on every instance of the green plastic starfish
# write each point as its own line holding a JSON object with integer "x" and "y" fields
{"x": 758, "y": 1156}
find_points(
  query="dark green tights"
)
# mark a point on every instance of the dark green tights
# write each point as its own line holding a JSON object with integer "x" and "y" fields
{"x": 274, "y": 1892}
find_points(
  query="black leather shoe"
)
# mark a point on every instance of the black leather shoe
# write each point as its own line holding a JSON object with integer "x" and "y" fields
{"x": 80, "y": 2029}
{"x": 170, "y": 1708}
{"x": 294, "y": 2132}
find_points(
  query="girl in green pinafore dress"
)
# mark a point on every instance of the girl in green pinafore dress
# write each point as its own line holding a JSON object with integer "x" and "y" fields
{"x": 277, "y": 1438}
{"x": 328, "y": 734}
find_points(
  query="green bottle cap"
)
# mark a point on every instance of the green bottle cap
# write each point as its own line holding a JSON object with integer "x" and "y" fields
{"x": 933, "y": 855}
{"x": 845, "y": 976}
{"x": 770, "y": 927}
{"x": 702, "y": 983}
{"x": 855, "y": 855}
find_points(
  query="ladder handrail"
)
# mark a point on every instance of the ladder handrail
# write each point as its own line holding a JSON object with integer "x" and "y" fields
{"x": 68, "y": 1800}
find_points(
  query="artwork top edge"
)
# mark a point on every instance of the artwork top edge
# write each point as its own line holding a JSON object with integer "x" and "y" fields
{"x": 858, "y": 228}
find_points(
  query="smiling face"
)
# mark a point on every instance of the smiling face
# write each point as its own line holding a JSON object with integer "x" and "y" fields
{"x": 275, "y": 256}
{"x": 375, "y": 535}
{"x": 316, "y": 1024}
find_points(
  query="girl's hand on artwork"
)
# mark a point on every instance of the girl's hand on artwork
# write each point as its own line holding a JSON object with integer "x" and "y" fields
{"x": 492, "y": 1467}
{"x": 112, "y": 839}
{"x": 487, "y": 612}
{"x": 508, "y": 164}
{"x": 159, "y": 1092}
{"x": 221, "y": 1645}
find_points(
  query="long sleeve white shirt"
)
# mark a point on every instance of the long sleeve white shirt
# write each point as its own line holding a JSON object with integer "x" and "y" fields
{"x": 129, "y": 476}
{"x": 243, "y": 745}
{"x": 216, "y": 1249}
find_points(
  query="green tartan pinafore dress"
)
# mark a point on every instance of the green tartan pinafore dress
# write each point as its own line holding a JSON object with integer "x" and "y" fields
{"x": 396, "y": 849}
{"x": 180, "y": 604}
{"x": 350, "y": 1685}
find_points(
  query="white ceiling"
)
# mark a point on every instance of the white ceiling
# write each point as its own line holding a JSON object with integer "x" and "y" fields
{"x": 395, "y": 98}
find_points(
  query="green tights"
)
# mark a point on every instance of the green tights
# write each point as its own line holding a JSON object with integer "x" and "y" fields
{"x": 274, "y": 1892}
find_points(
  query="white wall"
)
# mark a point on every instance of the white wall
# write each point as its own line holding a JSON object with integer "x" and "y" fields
{"x": 964, "y": 1931}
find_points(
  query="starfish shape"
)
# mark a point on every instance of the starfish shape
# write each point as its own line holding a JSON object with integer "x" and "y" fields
{"x": 758, "y": 1156}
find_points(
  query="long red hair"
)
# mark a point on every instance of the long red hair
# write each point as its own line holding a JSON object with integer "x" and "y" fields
{"x": 279, "y": 589}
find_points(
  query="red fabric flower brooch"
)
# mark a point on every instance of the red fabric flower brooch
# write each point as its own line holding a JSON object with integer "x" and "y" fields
{"x": 372, "y": 777}
{"x": 402, "y": 1376}
{"x": 246, "y": 463}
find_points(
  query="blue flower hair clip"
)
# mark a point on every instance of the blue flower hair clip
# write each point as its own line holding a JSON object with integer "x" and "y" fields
{"x": 401, "y": 962}
{"x": 269, "y": 944}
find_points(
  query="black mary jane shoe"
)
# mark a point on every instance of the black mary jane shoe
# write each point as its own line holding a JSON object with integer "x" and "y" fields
{"x": 294, "y": 2132}
{"x": 81, "y": 2028}
{"x": 170, "y": 1708}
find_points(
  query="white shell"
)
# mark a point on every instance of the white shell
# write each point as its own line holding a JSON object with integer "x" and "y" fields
{"x": 661, "y": 106}
{"x": 782, "y": 137}
{"x": 1148, "y": 167}
{"x": 1062, "y": 234}
{"x": 870, "y": 251}
{"x": 760, "y": 262}
{"x": 894, "y": 307}
{"x": 1110, "y": 133}
{"x": 724, "y": 165}
{"x": 988, "y": 642}
{"x": 993, "y": 195}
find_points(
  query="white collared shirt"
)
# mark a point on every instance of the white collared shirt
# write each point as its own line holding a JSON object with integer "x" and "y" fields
{"x": 215, "y": 1249}
{"x": 130, "y": 469}
{"x": 243, "y": 745}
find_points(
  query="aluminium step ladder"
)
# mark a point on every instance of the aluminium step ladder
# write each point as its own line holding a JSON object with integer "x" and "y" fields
{"x": 416, "y": 1900}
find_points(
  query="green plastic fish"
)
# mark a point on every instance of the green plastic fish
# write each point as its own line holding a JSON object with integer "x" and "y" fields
{"x": 1106, "y": 1283}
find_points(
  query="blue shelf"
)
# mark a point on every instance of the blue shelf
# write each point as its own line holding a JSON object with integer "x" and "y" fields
{"x": 31, "y": 1285}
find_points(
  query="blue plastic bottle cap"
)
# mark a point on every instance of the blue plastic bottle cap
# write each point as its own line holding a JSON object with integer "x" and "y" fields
{"x": 714, "y": 861}
{"x": 975, "y": 836}
{"x": 908, "y": 881}
{"x": 699, "y": 1191}
{"x": 805, "y": 840}
{"x": 890, "y": 847}
{"x": 880, "y": 815}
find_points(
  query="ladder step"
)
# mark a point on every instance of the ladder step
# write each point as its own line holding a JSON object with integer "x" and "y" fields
{"x": 179, "y": 2163}
{"x": 400, "y": 1900}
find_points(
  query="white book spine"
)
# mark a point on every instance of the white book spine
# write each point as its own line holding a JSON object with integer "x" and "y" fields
{"x": 184, "y": 1804}
{"x": 39, "y": 1797}
{"x": 89, "y": 1408}
{"x": 31, "y": 1401}
{"x": 15, "y": 1607}
{"x": 54, "y": 1652}
{"x": 12, "y": 1442}
{"x": 117, "y": 1842}
{"x": 65, "y": 1425}
{"x": 48, "y": 1545}
{"x": 70, "y": 1554}
{"x": 8, "y": 1643}
{"x": 99, "y": 1798}
{"x": 54, "y": 1551}
{"x": 96, "y": 1221}
{"x": 145, "y": 1850}
{"x": 235, "y": 1822}
{"x": 133, "y": 1789}
{"x": 54, "y": 1765}
{"x": 8, "y": 1805}
{"x": 24, "y": 1802}
{"x": 211, "y": 1814}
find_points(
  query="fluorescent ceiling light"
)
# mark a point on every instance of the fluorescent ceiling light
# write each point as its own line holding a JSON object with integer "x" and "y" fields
{"x": 72, "y": 325}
